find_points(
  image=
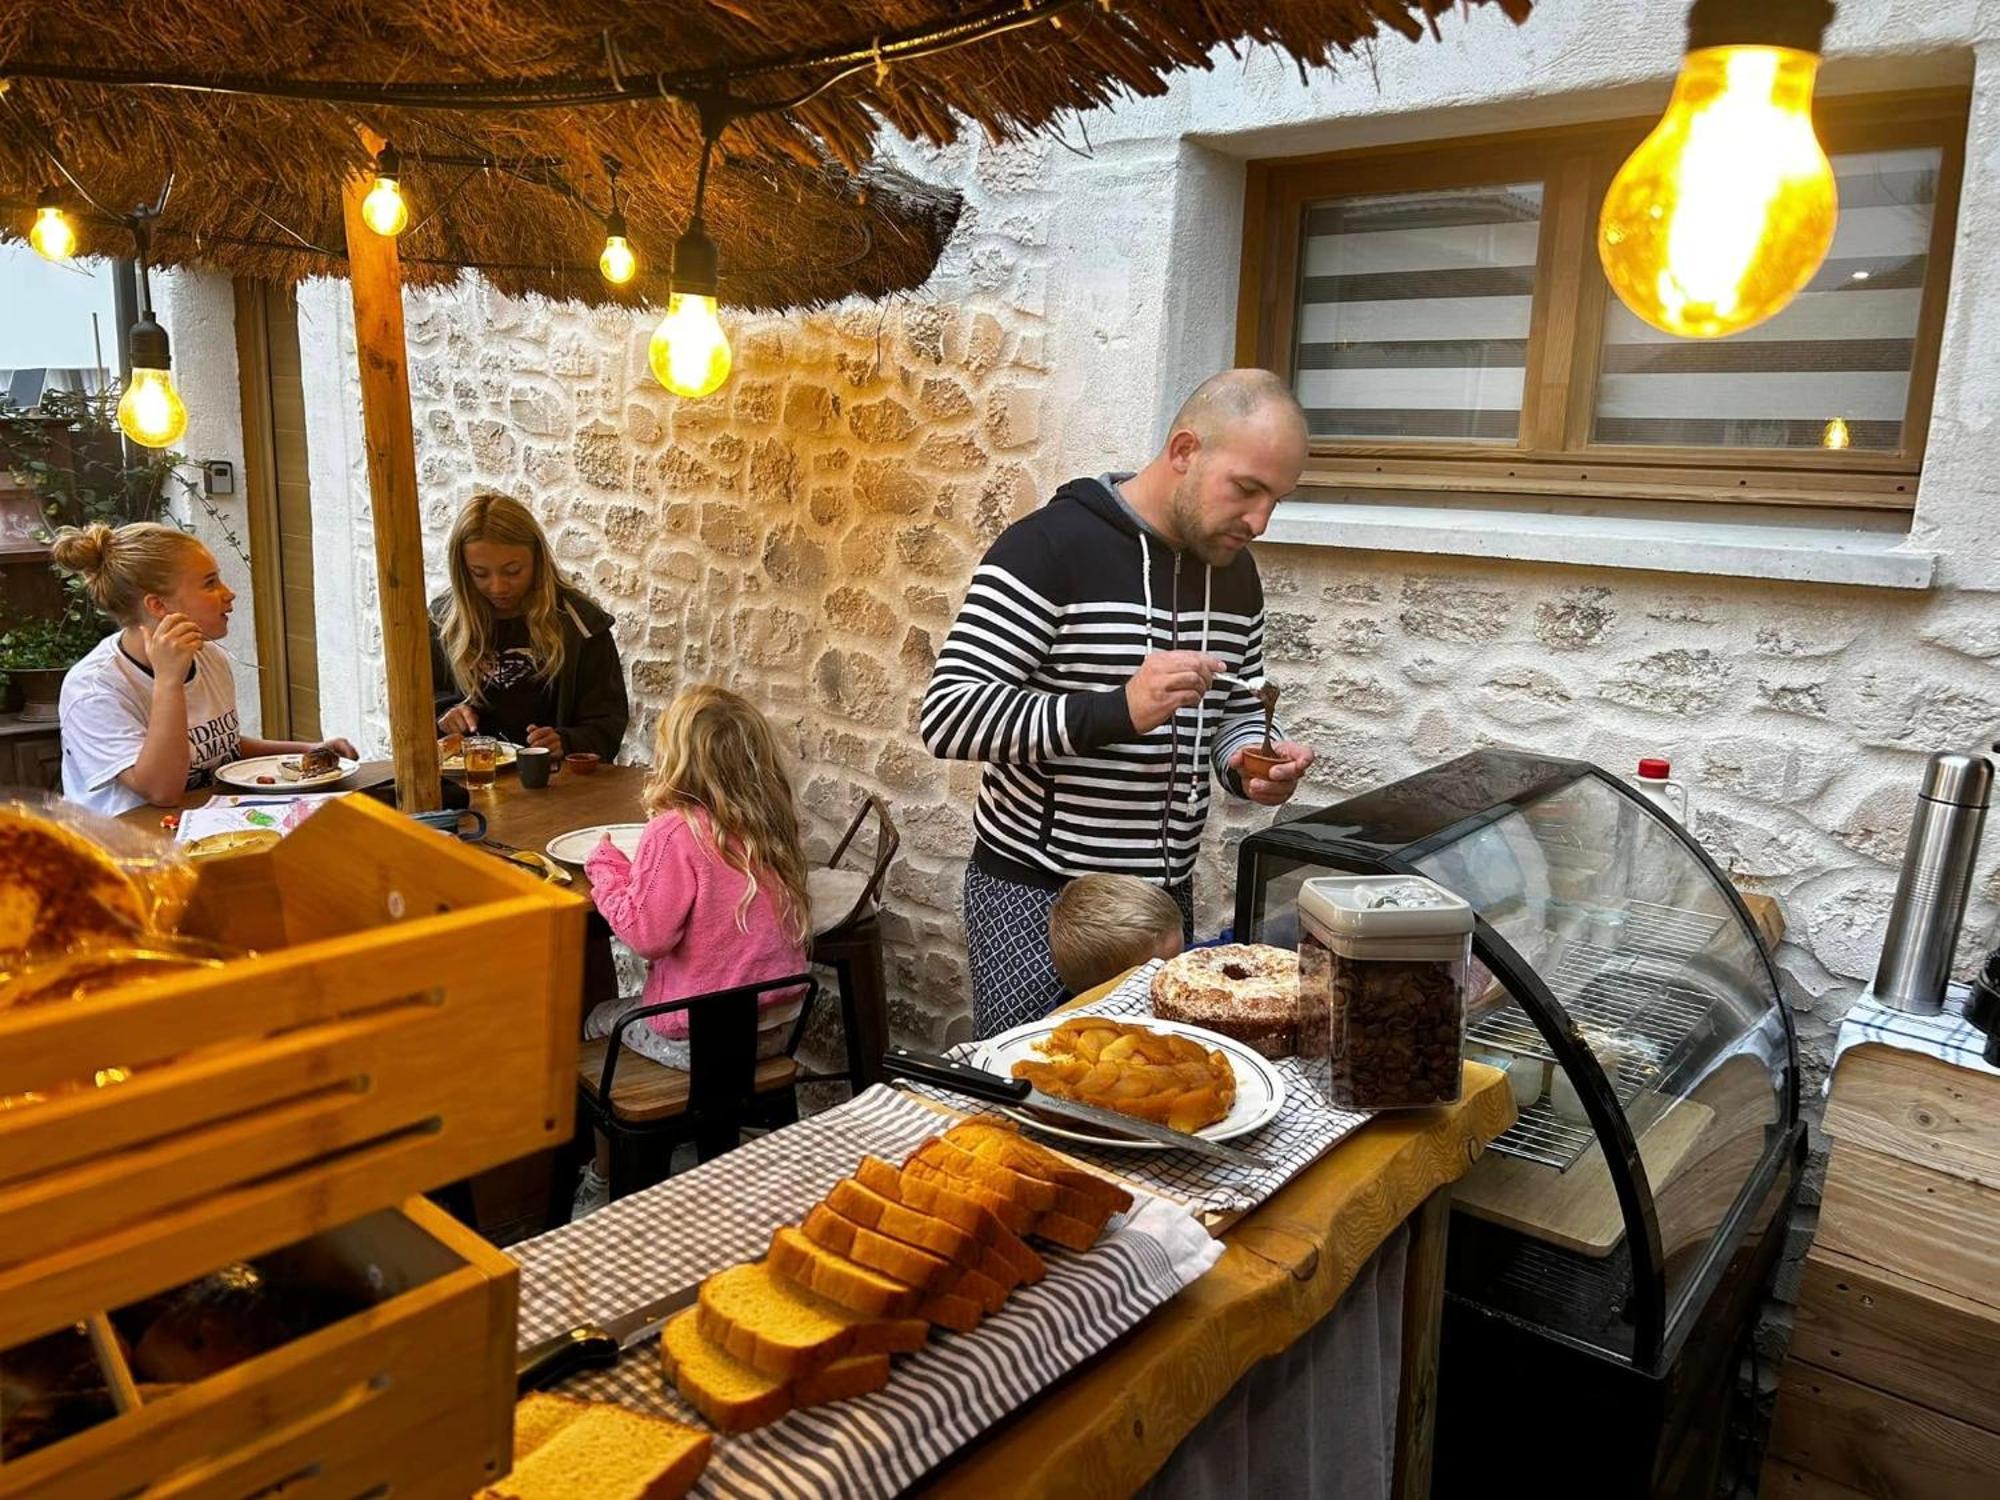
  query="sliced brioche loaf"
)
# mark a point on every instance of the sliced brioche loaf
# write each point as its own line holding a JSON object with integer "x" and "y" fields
{"x": 1032, "y": 1193}
{"x": 609, "y": 1453}
{"x": 736, "y": 1397}
{"x": 878, "y": 1252}
{"x": 1080, "y": 1193}
{"x": 838, "y": 1279}
{"x": 935, "y": 1195}
{"x": 1017, "y": 1218}
{"x": 1070, "y": 1233}
{"x": 773, "y": 1325}
{"x": 539, "y": 1416}
{"x": 953, "y": 1310}
{"x": 864, "y": 1206}
{"x": 991, "y": 1295}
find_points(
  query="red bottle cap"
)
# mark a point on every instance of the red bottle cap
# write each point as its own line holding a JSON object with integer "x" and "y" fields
{"x": 1655, "y": 770}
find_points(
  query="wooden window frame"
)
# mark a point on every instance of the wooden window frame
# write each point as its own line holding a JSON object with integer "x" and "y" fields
{"x": 1553, "y": 456}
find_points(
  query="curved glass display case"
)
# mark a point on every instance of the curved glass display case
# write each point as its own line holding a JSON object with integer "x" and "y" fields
{"x": 1622, "y": 984}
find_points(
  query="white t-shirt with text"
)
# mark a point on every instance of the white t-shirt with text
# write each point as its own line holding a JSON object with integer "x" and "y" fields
{"x": 107, "y": 702}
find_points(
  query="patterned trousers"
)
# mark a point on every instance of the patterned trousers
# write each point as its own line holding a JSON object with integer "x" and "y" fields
{"x": 1014, "y": 978}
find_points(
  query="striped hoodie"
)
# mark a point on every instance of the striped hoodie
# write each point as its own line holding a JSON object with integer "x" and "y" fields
{"x": 1031, "y": 680}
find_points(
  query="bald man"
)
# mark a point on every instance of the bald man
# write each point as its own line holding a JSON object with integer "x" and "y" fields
{"x": 1102, "y": 667}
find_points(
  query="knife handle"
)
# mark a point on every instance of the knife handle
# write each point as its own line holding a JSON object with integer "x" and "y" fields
{"x": 960, "y": 1078}
{"x": 587, "y": 1347}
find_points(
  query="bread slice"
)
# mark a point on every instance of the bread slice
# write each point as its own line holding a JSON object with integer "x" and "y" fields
{"x": 778, "y": 1327}
{"x": 953, "y": 1310}
{"x": 854, "y": 1201}
{"x": 1017, "y": 1218}
{"x": 1032, "y": 1193}
{"x": 539, "y": 1416}
{"x": 1072, "y": 1234}
{"x": 936, "y": 1195}
{"x": 1080, "y": 1193}
{"x": 735, "y": 1397}
{"x": 991, "y": 1295}
{"x": 994, "y": 1265}
{"x": 878, "y": 1252}
{"x": 609, "y": 1453}
{"x": 838, "y": 1279}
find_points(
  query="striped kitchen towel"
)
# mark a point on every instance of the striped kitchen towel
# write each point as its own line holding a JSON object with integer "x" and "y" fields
{"x": 1304, "y": 1129}
{"x": 938, "y": 1399}
{"x": 1947, "y": 1036}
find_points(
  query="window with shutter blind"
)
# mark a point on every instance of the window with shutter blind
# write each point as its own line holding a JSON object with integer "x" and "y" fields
{"x": 1441, "y": 315}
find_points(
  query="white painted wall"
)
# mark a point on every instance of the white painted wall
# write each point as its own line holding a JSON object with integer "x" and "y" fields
{"x": 1107, "y": 287}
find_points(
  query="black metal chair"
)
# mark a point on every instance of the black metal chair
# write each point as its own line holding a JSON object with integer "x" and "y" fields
{"x": 646, "y": 1109}
{"x": 848, "y": 939}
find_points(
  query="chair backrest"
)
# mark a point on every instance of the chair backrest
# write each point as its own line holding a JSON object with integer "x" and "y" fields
{"x": 886, "y": 842}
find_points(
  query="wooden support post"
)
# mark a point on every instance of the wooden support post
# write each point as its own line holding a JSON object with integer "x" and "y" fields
{"x": 375, "y": 272}
{"x": 1423, "y": 1317}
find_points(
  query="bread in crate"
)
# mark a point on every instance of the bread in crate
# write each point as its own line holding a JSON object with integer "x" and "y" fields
{"x": 407, "y": 1016}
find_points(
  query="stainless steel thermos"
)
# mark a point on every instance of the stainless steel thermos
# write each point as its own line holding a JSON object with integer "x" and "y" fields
{"x": 1931, "y": 892}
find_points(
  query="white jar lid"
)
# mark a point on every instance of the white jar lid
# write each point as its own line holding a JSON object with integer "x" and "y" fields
{"x": 1383, "y": 906}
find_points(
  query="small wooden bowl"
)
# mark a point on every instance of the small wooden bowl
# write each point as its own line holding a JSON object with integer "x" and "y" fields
{"x": 583, "y": 762}
{"x": 1255, "y": 765}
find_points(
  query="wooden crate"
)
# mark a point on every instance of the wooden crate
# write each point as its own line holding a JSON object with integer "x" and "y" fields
{"x": 412, "y": 1397}
{"x": 1892, "y": 1383}
{"x": 409, "y": 1018}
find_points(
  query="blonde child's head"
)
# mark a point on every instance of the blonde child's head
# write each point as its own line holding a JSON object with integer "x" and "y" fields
{"x": 1102, "y": 925}
{"x": 714, "y": 751}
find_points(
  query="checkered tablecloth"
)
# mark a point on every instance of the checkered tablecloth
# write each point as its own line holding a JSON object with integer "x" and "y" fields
{"x": 1303, "y": 1130}
{"x": 937, "y": 1400}
{"x": 1947, "y": 1036}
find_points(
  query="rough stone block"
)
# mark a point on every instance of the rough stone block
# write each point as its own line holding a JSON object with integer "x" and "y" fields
{"x": 985, "y": 344}
{"x": 887, "y": 487}
{"x": 774, "y": 473}
{"x": 864, "y": 551}
{"x": 811, "y": 408}
{"x": 1361, "y": 694}
{"x": 1970, "y": 627}
{"x": 928, "y": 330}
{"x": 918, "y": 655}
{"x": 1762, "y": 850}
{"x": 884, "y": 422}
{"x": 1803, "y": 638}
{"x": 727, "y": 530}
{"x": 1679, "y": 681}
{"x": 832, "y": 461}
{"x": 599, "y": 456}
{"x": 930, "y": 551}
{"x": 1521, "y": 696}
{"x": 859, "y": 612}
{"x": 1575, "y": 620}
{"x": 771, "y": 637}
{"x": 1879, "y": 825}
{"x": 828, "y": 504}
{"x": 1910, "y": 712}
{"x": 539, "y": 410}
{"x": 654, "y": 676}
{"x": 1007, "y": 494}
{"x": 1807, "y": 699}
{"x": 643, "y": 424}
{"x": 576, "y": 544}
{"x": 680, "y": 472}
{"x": 626, "y": 526}
{"x": 1359, "y": 637}
{"x": 952, "y": 452}
{"x": 921, "y": 599}
{"x": 1451, "y": 609}
{"x": 1845, "y": 927}
{"x": 726, "y": 450}
{"x": 940, "y": 398}
{"x": 1289, "y": 637}
{"x": 756, "y": 403}
{"x": 908, "y": 767}
{"x": 1013, "y": 417}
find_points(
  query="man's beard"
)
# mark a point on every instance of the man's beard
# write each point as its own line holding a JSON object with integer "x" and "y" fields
{"x": 1189, "y": 528}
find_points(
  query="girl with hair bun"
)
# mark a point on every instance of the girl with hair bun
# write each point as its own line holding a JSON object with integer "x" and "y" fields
{"x": 150, "y": 712}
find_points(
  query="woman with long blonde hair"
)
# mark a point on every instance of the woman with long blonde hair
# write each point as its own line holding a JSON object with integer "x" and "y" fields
{"x": 517, "y": 650}
{"x": 149, "y": 713}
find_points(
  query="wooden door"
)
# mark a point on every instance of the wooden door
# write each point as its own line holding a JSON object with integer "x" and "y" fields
{"x": 280, "y": 505}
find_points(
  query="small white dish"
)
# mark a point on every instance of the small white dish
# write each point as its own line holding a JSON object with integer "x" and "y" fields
{"x": 574, "y": 847}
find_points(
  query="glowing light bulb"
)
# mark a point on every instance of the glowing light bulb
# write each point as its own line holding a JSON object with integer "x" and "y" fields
{"x": 1836, "y": 434}
{"x": 151, "y": 412}
{"x": 618, "y": 263}
{"x": 52, "y": 235}
{"x": 1727, "y": 209}
{"x": 384, "y": 210}
{"x": 690, "y": 352}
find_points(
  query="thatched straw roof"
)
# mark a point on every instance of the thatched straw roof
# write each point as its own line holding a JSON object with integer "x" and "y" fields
{"x": 799, "y": 216}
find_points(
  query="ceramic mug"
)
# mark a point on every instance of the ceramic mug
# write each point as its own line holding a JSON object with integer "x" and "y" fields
{"x": 448, "y": 819}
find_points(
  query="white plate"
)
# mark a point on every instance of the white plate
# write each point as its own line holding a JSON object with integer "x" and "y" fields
{"x": 454, "y": 765}
{"x": 243, "y": 775}
{"x": 1260, "y": 1088}
{"x": 574, "y": 847}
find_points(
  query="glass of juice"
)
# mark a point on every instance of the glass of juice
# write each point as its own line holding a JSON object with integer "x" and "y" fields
{"x": 479, "y": 755}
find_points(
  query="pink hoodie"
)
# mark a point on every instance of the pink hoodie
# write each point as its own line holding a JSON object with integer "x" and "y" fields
{"x": 675, "y": 906}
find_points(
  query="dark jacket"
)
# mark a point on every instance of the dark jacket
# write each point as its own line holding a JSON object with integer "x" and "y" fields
{"x": 591, "y": 707}
{"x": 1031, "y": 680}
